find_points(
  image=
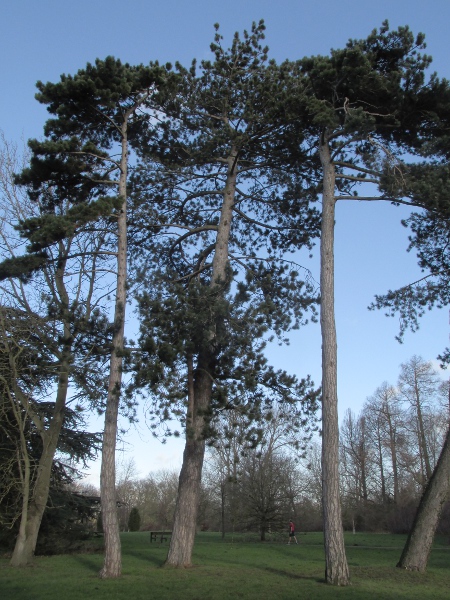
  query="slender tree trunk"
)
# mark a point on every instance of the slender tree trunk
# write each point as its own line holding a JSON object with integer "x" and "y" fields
{"x": 418, "y": 545}
{"x": 393, "y": 449}
{"x": 21, "y": 556}
{"x": 378, "y": 442}
{"x": 423, "y": 443}
{"x": 223, "y": 485}
{"x": 263, "y": 530}
{"x": 185, "y": 521}
{"x": 336, "y": 569}
{"x": 112, "y": 566}
{"x": 363, "y": 462}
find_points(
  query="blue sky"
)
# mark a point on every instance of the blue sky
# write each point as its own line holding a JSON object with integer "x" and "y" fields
{"x": 42, "y": 40}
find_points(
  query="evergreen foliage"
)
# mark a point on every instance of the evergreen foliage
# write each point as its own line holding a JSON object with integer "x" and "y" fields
{"x": 22, "y": 267}
{"x": 134, "y": 520}
{"x": 235, "y": 106}
{"x": 430, "y": 231}
{"x": 65, "y": 513}
{"x": 70, "y": 172}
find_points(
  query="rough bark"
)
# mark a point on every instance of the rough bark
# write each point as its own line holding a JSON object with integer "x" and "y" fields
{"x": 112, "y": 566}
{"x": 336, "y": 568}
{"x": 185, "y": 521}
{"x": 418, "y": 545}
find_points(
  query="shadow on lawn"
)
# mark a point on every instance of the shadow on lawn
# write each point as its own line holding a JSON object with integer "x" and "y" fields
{"x": 291, "y": 575}
{"x": 90, "y": 562}
{"x": 146, "y": 557}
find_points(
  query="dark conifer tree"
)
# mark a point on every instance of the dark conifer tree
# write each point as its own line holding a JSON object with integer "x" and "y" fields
{"x": 134, "y": 520}
{"x": 27, "y": 373}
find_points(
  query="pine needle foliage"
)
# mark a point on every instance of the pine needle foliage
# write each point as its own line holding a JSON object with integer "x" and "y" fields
{"x": 234, "y": 105}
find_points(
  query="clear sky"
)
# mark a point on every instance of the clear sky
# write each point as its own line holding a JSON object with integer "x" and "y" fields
{"x": 42, "y": 39}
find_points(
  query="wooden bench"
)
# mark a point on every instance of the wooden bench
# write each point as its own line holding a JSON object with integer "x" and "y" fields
{"x": 161, "y": 535}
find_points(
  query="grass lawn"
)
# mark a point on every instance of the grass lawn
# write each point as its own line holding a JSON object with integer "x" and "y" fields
{"x": 239, "y": 567}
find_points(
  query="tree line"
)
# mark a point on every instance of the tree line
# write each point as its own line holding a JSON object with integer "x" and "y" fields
{"x": 189, "y": 190}
{"x": 390, "y": 449}
{"x": 388, "y": 453}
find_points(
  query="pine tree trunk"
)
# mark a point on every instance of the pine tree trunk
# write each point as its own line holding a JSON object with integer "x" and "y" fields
{"x": 418, "y": 545}
{"x": 112, "y": 566}
{"x": 185, "y": 521}
{"x": 336, "y": 569}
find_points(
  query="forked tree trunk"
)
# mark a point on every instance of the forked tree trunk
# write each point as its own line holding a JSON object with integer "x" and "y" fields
{"x": 32, "y": 516}
{"x": 336, "y": 568}
{"x": 21, "y": 556}
{"x": 35, "y": 498}
{"x": 185, "y": 521}
{"x": 36, "y": 495}
{"x": 418, "y": 545}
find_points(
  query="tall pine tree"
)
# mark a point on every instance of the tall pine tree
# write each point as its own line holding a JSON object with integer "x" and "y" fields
{"x": 211, "y": 223}
{"x": 100, "y": 114}
{"x": 364, "y": 107}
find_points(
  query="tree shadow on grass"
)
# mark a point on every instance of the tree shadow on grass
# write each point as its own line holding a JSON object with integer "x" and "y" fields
{"x": 291, "y": 575}
{"x": 158, "y": 561}
{"x": 90, "y": 562}
{"x": 282, "y": 573}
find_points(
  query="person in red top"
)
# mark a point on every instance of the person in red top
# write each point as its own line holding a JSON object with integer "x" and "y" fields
{"x": 292, "y": 533}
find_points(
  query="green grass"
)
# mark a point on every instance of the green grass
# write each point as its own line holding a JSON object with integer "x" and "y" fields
{"x": 239, "y": 567}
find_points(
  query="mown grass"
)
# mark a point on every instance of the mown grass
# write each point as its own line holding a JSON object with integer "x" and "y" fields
{"x": 240, "y": 567}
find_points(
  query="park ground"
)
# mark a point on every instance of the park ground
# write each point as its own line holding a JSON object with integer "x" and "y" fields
{"x": 237, "y": 567}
